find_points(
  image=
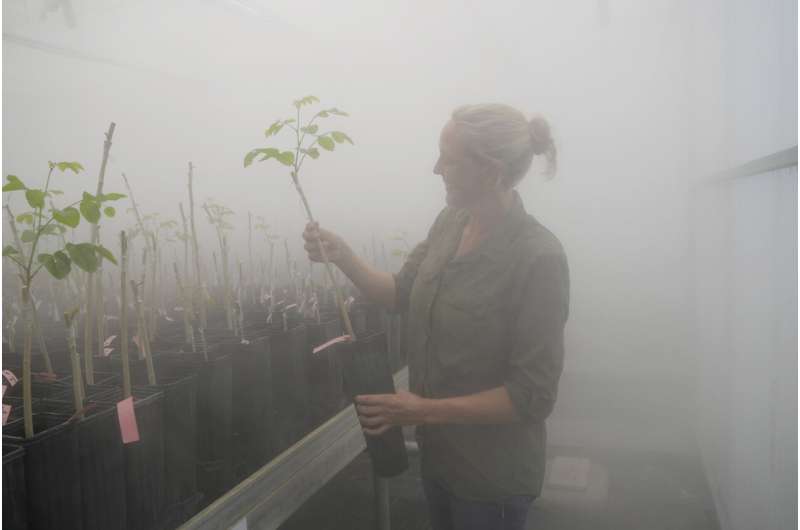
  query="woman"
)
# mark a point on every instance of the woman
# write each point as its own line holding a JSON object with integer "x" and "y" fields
{"x": 487, "y": 295}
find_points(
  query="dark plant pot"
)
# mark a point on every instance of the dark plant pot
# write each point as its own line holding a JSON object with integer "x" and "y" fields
{"x": 15, "y": 516}
{"x": 366, "y": 371}
{"x": 212, "y": 413}
{"x": 324, "y": 371}
{"x": 51, "y": 467}
{"x": 251, "y": 398}
{"x": 143, "y": 460}
{"x": 102, "y": 462}
{"x": 290, "y": 387}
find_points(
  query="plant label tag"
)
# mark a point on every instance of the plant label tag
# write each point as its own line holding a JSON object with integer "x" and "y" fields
{"x": 127, "y": 421}
{"x": 107, "y": 351}
{"x": 10, "y": 377}
{"x": 4, "y": 391}
{"x": 6, "y": 413}
{"x": 331, "y": 343}
{"x": 109, "y": 340}
{"x": 240, "y": 525}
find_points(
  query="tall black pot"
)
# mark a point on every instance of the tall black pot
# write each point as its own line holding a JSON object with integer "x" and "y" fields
{"x": 366, "y": 371}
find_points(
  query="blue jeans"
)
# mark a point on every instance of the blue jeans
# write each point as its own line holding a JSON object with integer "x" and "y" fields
{"x": 448, "y": 512}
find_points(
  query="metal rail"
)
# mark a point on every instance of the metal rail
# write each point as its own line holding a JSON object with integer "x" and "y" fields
{"x": 778, "y": 160}
{"x": 273, "y": 493}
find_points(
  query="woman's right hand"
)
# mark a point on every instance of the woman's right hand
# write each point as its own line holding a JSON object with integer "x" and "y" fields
{"x": 335, "y": 247}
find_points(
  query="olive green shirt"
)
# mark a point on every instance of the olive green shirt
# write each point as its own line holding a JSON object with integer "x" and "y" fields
{"x": 492, "y": 317}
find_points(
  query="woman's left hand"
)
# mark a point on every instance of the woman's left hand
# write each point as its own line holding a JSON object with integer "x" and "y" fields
{"x": 379, "y": 412}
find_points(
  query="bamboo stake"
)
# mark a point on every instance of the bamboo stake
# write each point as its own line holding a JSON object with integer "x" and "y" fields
{"x": 143, "y": 337}
{"x": 78, "y": 394}
{"x": 123, "y": 316}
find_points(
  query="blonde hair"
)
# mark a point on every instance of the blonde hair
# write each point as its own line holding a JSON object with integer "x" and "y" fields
{"x": 503, "y": 134}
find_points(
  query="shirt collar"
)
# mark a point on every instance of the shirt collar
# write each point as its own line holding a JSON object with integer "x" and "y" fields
{"x": 498, "y": 241}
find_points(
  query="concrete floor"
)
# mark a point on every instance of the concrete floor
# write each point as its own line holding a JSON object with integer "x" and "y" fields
{"x": 636, "y": 491}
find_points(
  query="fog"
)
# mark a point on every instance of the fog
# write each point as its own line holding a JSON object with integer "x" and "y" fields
{"x": 646, "y": 100}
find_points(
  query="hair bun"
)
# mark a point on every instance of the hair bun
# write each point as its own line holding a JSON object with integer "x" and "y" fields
{"x": 540, "y": 135}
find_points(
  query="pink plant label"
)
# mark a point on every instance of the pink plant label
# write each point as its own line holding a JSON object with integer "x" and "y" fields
{"x": 6, "y": 413}
{"x": 107, "y": 351}
{"x": 331, "y": 343}
{"x": 127, "y": 421}
{"x": 10, "y": 377}
{"x": 109, "y": 340}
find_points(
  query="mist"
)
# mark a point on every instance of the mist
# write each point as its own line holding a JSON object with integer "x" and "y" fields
{"x": 681, "y": 337}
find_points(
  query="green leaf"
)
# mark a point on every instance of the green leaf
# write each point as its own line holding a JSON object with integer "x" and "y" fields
{"x": 9, "y": 250}
{"x": 337, "y": 112}
{"x": 52, "y": 230}
{"x": 57, "y": 264}
{"x": 274, "y": 129}
{"x": 111, "y": 197}
{"x": 323, "y": 114}
{"x": 341, "y": 137}
{"x": 25, "y": 218}
{"x": 88, "y": 196}
{"x": 109, "y": 211}
{"x": 84, "y": 255}
{"x": 105, "y": 253}
{"x": 326, "y": 143}
{"x": 35, "y": 198}
{"x": 286, "y": 158}
{"x": 68, "y": 216}
{"x": 308, "y": 100}
{"x": 28, "y": 236}
{"x": 313, "y": 152}
{"x": 90, "y": 211}
{"x": 14, "y": 184}
{"x": 75, "y": 167}
{"x": 311, "y": 129}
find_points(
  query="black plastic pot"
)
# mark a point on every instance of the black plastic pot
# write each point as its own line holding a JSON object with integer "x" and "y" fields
{"x": 251, "y": 403}
{"x": 324, "y": 371}
{"x": 143, "y": 460}
{"x": 291, "y": 417}
{"x": 15, "y": 516}
{"x": 213, "y": 415}
{"x": 366, "y": 371}
{"x": 51, "y": 470}
{"x": 101, "y": 462}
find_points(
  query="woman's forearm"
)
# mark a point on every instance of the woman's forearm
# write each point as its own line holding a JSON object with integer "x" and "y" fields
{"x": 487, "y": 407}
{"x": 377, "y": 286}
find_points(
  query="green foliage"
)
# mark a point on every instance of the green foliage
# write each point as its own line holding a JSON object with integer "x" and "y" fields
{"x": 14, "y": 184}
{"x": 308, "y": 100}
{"x": 111, "y": 197}
{"x": 84, "y": 255}
{"x": 326, "y": 143}
{"x": 313, "y": 152}
{"x": 75, "y": 167}
{"x": 286, "y": 158}
{"x": 25, "y": 218}
{"x": 310, "y": 129}
{"x": 341, "y": 137}
{"x": 57, "y": 264}
{"x": 35, "y": 198}
{"x": 9, "y": 250}
{"x": 105, "y": 253}
{"x": 28, "y": 236}
{"x": 68, "y": 216}
{"x": 90, "y": 209}
{"x": 109, "y": 211}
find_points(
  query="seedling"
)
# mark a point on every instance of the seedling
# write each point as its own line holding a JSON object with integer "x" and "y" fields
{"x": 86, "y": 256}
{"x": 294, "y": 159}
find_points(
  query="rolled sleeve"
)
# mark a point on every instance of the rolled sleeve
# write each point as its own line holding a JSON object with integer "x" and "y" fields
{"x": 537, "y": 355}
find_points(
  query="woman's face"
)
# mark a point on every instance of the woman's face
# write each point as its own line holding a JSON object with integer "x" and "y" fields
{"x": 467, "y": 179}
